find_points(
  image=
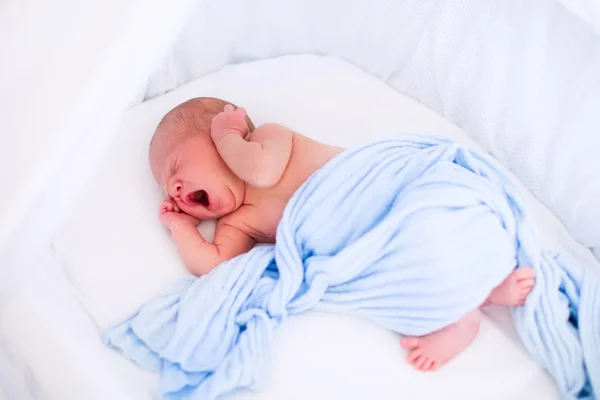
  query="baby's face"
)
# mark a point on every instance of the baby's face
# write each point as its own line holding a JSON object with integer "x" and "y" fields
{"x": 193, "y": 175}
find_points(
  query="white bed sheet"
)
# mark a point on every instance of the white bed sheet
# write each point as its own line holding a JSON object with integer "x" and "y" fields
{"x": 116, "y": 254}
{"x": 58, "y": 373}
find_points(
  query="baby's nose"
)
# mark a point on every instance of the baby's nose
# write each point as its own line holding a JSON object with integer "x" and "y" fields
{"x": 175, "y": 189}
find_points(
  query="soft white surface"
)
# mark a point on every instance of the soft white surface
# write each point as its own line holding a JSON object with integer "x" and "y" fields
{"x": 68, "y": 69}
{"x": 62, "y": 93}
{"x": 587, "y": 10}
{"x": 117, "y": 255}
{"x": 520, "y": 77}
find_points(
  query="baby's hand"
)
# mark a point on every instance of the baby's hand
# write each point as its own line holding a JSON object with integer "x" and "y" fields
{"x": 229, "y": 121}
{"x": 170, "y": 215}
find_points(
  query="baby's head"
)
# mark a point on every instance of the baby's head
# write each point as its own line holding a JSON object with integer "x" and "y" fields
{"x": 185, "y": 161}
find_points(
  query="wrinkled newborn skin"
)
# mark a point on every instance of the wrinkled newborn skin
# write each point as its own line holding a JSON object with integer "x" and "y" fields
{"x": 213, "y": 164}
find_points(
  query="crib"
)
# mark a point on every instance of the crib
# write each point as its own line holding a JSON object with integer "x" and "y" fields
{"x": 78, "y": 217}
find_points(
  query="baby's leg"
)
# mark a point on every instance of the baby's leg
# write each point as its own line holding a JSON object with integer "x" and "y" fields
{"x": 514, "y": 289}
{"x": 429, "y": 352}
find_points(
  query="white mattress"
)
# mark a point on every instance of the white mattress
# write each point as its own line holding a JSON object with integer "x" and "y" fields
{"x": 116, "y": 255}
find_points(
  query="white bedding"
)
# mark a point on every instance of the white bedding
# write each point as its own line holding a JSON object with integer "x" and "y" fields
{"x": 519, "y": 77}
{"x": 62, "y": 92}
{"x": 112, "y": 236}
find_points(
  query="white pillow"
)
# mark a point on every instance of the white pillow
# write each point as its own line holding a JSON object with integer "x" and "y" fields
{"x": 117, "y": 255}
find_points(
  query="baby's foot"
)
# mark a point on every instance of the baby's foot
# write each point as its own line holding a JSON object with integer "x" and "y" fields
{"x": 431, "y": 351}
{"x": 514, "y": 289}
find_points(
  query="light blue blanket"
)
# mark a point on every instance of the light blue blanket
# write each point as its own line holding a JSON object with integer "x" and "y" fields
{"x": 411, "y": 233}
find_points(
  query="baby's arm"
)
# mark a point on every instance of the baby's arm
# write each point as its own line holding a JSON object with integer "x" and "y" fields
{"x": 261, "y": 161}
{"x": 199, "y": 255}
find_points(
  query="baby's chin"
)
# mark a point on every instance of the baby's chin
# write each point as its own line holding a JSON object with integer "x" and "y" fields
{"x": 201, "y": 213}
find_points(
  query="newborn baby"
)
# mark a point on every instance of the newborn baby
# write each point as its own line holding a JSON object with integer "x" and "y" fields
{"x": 213, "y": 164}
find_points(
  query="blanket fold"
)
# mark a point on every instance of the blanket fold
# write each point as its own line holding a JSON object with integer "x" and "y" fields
{"x": 411, "y": 233}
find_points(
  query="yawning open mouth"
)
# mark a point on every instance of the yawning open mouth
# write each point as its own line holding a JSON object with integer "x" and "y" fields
{"x": 200, "y": 197}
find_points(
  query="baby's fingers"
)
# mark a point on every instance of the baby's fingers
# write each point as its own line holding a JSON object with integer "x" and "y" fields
{"x": 241, "y": 111}
{"x": 228, "y": 108}
{"x": 166, "y": 206}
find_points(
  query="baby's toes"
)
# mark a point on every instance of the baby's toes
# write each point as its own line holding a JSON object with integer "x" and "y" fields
{"x": 420, "y": 362}
{"x": 526, "y": 286}
{"x": 427, "y": 366}
{"x": 523, "y": 293}
{"x": 525, "y": 273}
{"x": 409, "y": 343}
{"x": 526, "y": 283}
{"x": 241, "y": 112}
{"x": 413, "y": 356}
